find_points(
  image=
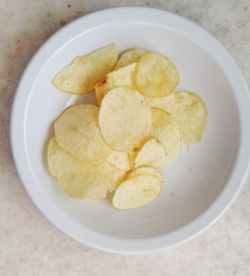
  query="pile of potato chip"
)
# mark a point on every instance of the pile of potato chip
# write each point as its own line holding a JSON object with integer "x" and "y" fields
{"x": 121, "y": 144}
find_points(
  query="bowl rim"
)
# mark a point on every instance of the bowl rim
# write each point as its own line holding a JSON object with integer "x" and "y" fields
{"x": 142, "y": 15}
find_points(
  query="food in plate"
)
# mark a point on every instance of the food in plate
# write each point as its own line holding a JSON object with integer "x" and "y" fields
{"x": 153, "y": 153}
{"x": 146, "y": 170}
{"x": 156, "y": 76}
{"x": 129, "y": 56}
{"x": 124, "y": 118}
{"x": 81, "y": 75}
{"x": 122, "y": 144}
{"x": 136, "y": 192}
{"x": 166, "y": 103}
{"x": 191, "y": 116}
{"x": 82, "y": 179}
{"x": 120, "y": 77}
{"x": 77, "y": 131}
{"x": 166, "y": 130}
{"x": 119, "y": 159}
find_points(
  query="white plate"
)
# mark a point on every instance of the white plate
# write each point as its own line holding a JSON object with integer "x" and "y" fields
{"x": 199, "y": 186}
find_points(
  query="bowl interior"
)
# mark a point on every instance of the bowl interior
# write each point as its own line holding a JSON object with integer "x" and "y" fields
{"x": 192, "y": 182}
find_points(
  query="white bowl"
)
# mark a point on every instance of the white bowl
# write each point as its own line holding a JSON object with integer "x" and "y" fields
{"x": 199, "y": 186}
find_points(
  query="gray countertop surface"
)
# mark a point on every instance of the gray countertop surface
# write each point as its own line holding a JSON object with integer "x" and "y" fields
{"x": 29, "y": 244}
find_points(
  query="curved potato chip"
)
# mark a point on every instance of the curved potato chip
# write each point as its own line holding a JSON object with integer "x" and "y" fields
{"x": 120, "y": 77}
{"x": 82, "y": 179}
{"x": 129, "y": 56}
{"x": 132, "y": 154}
{"x": 77, "y": 131}
{"x": 61, "y": 162}
{"x": 152, "y": 153}
{"x": 81, "y": 75}
{"x": 119, "y": 159}
{"x": 134, "y": 151}
{"x": 156, "y": 76}
{"x": 166, "y": 130}
{"x": 124, "y": 118}
{"x": 191, "y": 116}
{"x": 147, "y": 170}
{"x": 137, "y": 192}
{"x": 166, "y": 103}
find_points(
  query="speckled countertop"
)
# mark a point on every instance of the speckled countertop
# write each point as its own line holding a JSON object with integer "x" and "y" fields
{"x": 29, "y": 244}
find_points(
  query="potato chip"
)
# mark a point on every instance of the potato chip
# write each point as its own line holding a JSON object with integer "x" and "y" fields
{"x": 155, "y": 76}
{"x": 119, "y": 159}
{"x": 124, "y": 118}
{"x": 152, "y": 153}
{"x": 137, "y": 192}
{"x": 60, "y": 162}
{"x": 147, "y": 170}
{"x": 191, "y": 116}
{"x": 77, "y": 131}
{"x": 165, "y": 103}
{"x": 129, "y": 56}
{"x": 122, "y": 146}
{"x": 166, "y": 130}
{"x": 132, "y": 154}
{"x": 120, "y": 77}
{"x": 82, "y": 179}
{"x": 134, "y": 151}
{"x": 81, "y": 75}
